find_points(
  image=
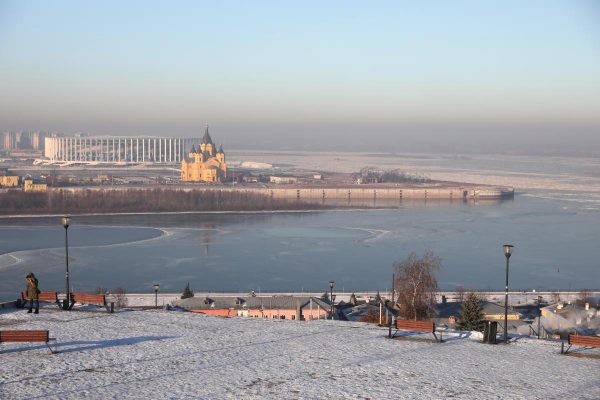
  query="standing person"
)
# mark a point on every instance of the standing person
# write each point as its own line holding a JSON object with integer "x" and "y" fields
{"x": 33, "y": 292}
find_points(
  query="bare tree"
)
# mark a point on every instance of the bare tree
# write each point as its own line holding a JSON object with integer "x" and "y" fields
{"x": 121, "y": 297}
{"x": 585, "y": 296}
{"x": 101, "y": 290}
{"x": 460, "y": 293}
{"x": 416, "y": 284}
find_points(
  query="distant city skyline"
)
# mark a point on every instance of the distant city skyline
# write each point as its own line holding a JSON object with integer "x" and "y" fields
{"x": 388, "y": 76}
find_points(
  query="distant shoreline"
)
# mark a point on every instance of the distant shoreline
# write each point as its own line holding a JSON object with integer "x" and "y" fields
{"x": 125, "y": 200}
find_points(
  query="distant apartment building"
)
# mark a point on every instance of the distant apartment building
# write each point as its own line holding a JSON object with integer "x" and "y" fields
{"x": 22, "y": 140}
{"x": 37, "y": 140}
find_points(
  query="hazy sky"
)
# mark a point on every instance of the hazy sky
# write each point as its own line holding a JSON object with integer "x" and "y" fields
{"x": 398, "y": 75}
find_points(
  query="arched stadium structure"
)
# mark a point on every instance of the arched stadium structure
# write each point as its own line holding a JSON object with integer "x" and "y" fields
{"x": 118, "y": 149}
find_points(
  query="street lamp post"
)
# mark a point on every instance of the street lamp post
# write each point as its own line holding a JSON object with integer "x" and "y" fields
{"x": 156, "y": 286}
{"x": 507, "y": 253}
{"x": 331, "y": 283}
{"x": 66, "y": 221}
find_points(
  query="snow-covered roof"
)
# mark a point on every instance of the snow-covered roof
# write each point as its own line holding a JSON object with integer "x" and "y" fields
{"x": 253, "y": 302}
{"x": 445, "y": 310}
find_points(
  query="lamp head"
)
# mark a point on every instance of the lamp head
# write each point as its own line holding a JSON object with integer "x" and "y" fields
{"x": 508, "y": 250}
{"x": 331, "y": 283}
{"x": 156, "y": 286}
{"x": 66, "y": 221}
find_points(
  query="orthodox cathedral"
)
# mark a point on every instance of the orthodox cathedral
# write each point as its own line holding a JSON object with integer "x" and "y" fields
{"x": 205, "y": 164}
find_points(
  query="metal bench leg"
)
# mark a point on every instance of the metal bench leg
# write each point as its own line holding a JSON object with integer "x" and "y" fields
{"x": 562, "y": 348}
{"x": 568, "y": 348}
{"x": 50, "y": 348}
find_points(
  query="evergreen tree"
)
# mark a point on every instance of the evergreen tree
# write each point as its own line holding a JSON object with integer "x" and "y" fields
{"x": 187, "y": 292}
{"x": 471, "y": 318}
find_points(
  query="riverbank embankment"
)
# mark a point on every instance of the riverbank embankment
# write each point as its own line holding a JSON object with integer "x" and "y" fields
{"x": 438, "y": 191}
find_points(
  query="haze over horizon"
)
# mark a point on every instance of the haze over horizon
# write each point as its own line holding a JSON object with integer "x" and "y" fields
{"x": 463, "y": 76}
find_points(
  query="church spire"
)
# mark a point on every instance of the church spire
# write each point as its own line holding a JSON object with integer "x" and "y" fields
{"x": 207, "y": 139}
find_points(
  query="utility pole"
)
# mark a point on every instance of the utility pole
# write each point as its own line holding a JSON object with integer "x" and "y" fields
{"x": 331, "y": 283}
{"x": 539, "y": 315}
{"x": 393, "y": 279}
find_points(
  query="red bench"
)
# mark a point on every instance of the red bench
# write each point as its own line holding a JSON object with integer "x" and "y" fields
{"x": 26, "y": 337}
{"x": 417, "y": 326}
{"x": 95, "y": 299}
{"x": 50, "y": 297}
{"x": 580, "y": 340}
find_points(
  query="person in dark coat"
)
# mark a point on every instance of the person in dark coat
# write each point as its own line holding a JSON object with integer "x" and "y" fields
{"x": 33, "y": 292}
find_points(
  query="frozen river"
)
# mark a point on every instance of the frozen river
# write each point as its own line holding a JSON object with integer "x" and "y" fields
{"x": 554, "y": 224}
{"x": 556, "y": 247}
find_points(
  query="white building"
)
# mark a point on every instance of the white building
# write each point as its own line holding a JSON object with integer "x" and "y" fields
{"x": 118, "y": 149}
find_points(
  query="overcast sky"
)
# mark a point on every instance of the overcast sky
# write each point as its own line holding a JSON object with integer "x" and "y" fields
{"x": 378, "y": 76}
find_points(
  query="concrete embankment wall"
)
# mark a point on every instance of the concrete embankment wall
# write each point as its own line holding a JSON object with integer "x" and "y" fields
{"x": 357, "y": 192}
{"x": 383, "y": 193}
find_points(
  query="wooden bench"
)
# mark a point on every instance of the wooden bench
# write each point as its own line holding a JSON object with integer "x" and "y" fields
{"x": 26, "y": 337}
{"x": 50, "y": 297}
{"x": 580, "y": 340}
{"x": 96, "y": 299}
{"x": 417, "y": 326}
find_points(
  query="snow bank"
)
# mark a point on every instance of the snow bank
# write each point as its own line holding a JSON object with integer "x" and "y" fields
{"x": 255, "y": 165}
{"x": 160, "y": 354}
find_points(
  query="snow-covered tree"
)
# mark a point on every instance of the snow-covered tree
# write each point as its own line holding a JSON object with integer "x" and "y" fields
{"x": 471, "y": 318}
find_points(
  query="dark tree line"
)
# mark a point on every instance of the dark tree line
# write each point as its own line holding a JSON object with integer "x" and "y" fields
{"x": 391, "y": 176}
{"x": 398, "y": 176}
{"x": 143, "y": 200}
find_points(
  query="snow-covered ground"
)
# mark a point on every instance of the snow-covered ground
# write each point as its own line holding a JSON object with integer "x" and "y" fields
{"x": 168, "y": 354}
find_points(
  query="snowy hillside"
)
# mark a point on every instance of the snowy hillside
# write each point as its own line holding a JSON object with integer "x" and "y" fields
{"x": 160, "y": 354}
